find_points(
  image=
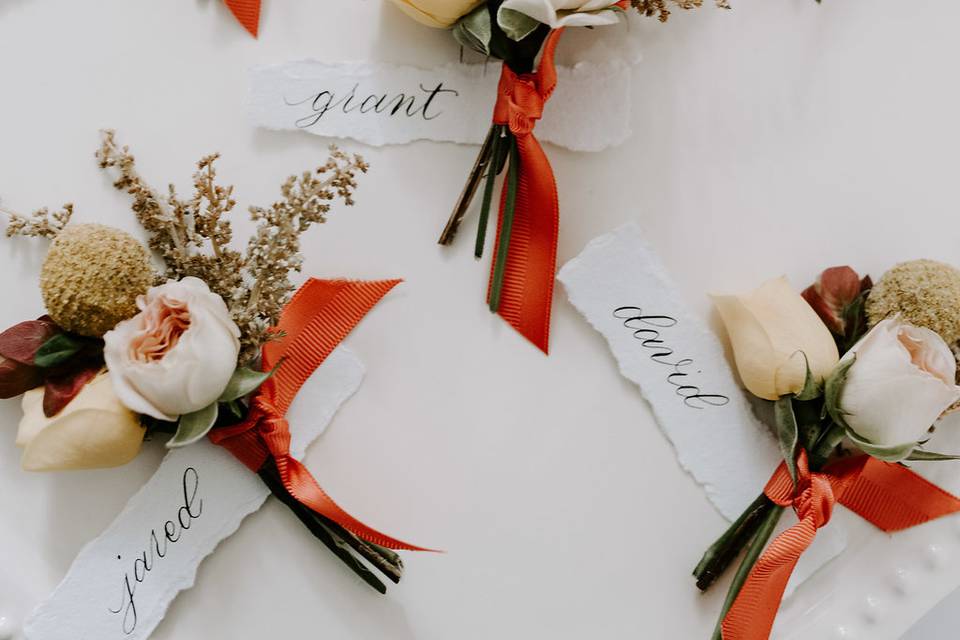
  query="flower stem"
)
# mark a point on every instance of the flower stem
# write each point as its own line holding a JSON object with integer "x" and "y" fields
{"x": 493, "y": 168}
{"x": 729, "y": 545}
{"x": 469, "y": 189}
{"x": 506, "y": 226}
{"x": 764, "y": 531}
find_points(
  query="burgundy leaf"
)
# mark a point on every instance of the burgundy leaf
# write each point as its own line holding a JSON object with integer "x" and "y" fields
{"x": 60, "y": 390}
{"x": 21, "y": 341}
{"x": 17, "y": 378}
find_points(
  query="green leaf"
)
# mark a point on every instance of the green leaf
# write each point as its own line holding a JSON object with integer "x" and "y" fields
{"x": 887, "y": 453}
{"x": 194, "y": 426}
{"x": 515, "y": 24}
{"x": 244, "y": 382}
{"x": 810, "y": 389}
{"x": 500, "y": 133}
{"x": 474, "y": 30}
{"x": 918, "y": 455}
{"x": 506, "y": 226}
{"x": 834, "y": 388}
{"x": 786, "y": 422}
{"x": 57, "y": 350}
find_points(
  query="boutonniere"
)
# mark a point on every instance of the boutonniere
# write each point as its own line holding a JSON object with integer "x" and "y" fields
{"x": 858, "y": 375}
{"x": 216, "y": 345}
{"x": 517, "y": 32}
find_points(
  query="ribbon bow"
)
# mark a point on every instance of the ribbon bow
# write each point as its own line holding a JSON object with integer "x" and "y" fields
{"x": 889, "y": 496}
{"x": 316, "y": 320}
{"x": 526, "y": 292}
{"x": 247, "y": 13}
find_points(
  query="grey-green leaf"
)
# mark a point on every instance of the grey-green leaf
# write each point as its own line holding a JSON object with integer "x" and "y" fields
{"x": 194, "y": 426}
{"x": 810, "y": 389}
{"x": 57, "y": 350}
{"x": 243, "y": 382}
{"x": 786, "y": 422}
{"x": 887, "y": 453}
{"x": 918, "y": 455}
{"x": 474, "y": 30}
{"x": 834, "y": 388}
{"x": 516, "y": 25}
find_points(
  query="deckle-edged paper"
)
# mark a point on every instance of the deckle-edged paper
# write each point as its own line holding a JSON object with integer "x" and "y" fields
{"x": 121, "y": 583}
{"x": 623, "y": 290}
{"x": 381, "y": 104}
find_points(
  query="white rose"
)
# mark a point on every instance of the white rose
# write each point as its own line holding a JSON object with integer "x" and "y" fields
{"x": 94, "y": 430}
{"x": 563, "y": 13}
{"x": 177, "y": 355}
{"x": 902, "y": 380}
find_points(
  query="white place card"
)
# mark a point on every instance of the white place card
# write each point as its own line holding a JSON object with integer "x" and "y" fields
{"x": 121, "y": 583}
{"x": 381, "y": 104}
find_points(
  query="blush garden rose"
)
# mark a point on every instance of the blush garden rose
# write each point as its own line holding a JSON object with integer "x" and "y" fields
{"x": 902, "y": 378}
{"x": 177, "y": 355}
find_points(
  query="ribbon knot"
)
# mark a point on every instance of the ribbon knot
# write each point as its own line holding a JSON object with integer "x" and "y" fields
{"x": 519, "y": 101}
{"x": 317, "y": 319}
{"x": 889, "y": 496}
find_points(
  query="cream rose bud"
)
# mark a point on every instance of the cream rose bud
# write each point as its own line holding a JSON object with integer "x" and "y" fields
{"x": 94, "y": 430}
{"x": 771, "y": 330}
{"x": 177, "y": 355}
{"x": 564, "y": 13}
{"x": 903, "y": 379}
{"x": 437, "y": 13}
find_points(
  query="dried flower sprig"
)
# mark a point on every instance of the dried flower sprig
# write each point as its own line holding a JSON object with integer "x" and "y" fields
{"x": 661, "y": 8}
{"x": 42, "y": 223}
{"x": 193, "y": 236}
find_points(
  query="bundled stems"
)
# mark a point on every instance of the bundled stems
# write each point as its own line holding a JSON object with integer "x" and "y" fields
{"x": 506, "y": 226}
{"x": 341, "y": 542}
{"x": 757, "y": 544}
{"x": 722, "y": 552}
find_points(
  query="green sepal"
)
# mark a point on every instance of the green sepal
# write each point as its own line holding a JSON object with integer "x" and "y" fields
{"x": 245, "y": 381}
{"x": 811, "y": 388}
{"x": 506, "y": 226}
{"x": 474, "y": 30}
{"x": 887, "y": 453}
{"x": 516, "y": 25}
{"x": 834, "y": 387}
{"x": 57, "y": 350}
{"x": 194, "y": 426}
{"x": 787, "y": 433}
{"x": 918, "y": 455}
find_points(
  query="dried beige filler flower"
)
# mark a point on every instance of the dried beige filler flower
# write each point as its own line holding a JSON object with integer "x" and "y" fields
{"x": 193, "y": 236}
{"x": 925, "y": 293}
{"x": 92, "y": 276}
{"x": 661, "y": 8}
{"x": 42, "y": 223}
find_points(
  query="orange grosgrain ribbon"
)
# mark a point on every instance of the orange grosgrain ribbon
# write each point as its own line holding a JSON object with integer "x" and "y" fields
{"x": 889, "y": 496}
{"x": 527, "y": 290}
{"x": 247, "y": 12}
{"x": 316, "y": 320}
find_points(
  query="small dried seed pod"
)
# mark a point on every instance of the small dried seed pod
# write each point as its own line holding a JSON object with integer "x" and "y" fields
{"x": 92, "y": 276}
{"x": 925, "y": 293}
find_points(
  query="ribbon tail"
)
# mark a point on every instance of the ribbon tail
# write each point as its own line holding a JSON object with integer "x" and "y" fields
{"x": 303, "y": 486}
{"x": 752, "y": 614}
{"x": 247, "y": 12}
{"x": 892, "y": 497}
{"x": 527, "y": 291}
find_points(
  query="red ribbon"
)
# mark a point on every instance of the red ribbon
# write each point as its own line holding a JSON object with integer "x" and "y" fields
{"x": 247, "y": 12}
{"x": 316, "y": 320}
{"x": 527, "y": 291}
{"x": 889, "y": 496}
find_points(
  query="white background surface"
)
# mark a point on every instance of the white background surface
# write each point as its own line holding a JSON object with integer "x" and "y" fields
{"x": 781, "y": 136}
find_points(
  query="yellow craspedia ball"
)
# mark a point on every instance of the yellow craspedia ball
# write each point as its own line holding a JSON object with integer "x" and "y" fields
{"x": 925, "y": 293}
{"x": 92, "y": 276}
